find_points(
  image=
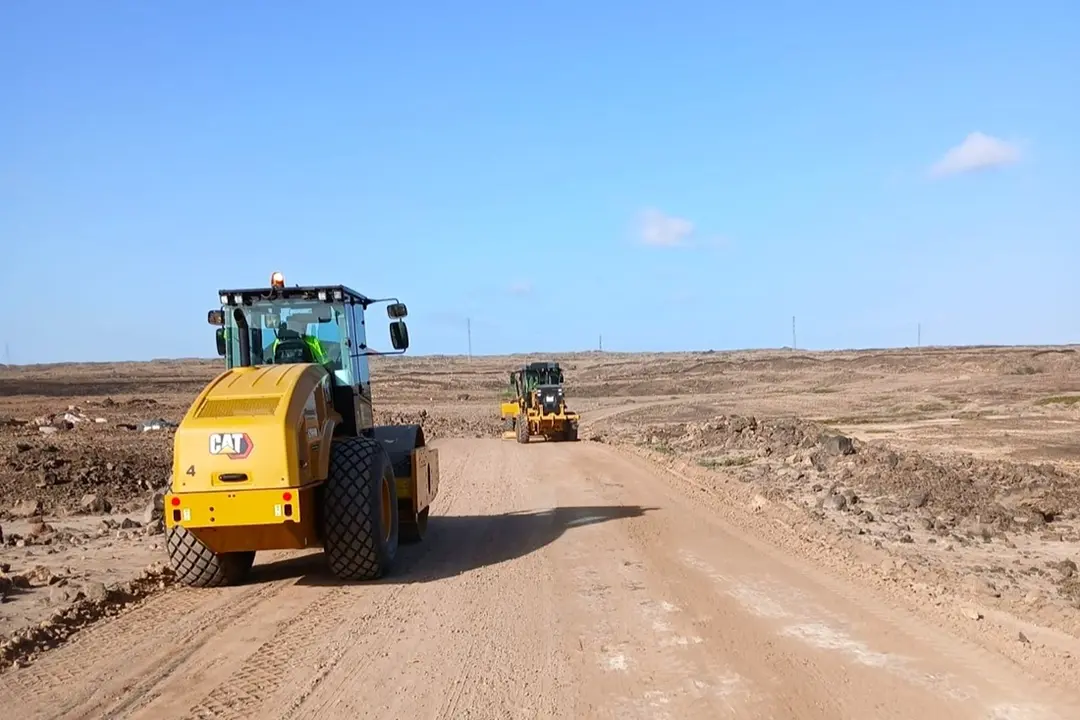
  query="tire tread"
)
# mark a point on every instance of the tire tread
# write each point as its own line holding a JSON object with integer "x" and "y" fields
{"x": 196, "y": 565}
{"x": 351, "y": 509}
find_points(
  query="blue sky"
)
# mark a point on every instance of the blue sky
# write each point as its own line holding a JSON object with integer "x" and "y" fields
{"x": 677, "y": 175}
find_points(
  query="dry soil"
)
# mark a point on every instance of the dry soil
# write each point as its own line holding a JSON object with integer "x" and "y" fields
{"x": 759, "y": 534}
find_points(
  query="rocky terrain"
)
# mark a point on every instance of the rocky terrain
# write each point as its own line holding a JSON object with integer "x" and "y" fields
{"x": 963, "y": 465}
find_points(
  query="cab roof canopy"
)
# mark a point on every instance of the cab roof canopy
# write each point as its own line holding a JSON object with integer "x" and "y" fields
{"x": 325, "y": 293}
{"x": 541, "y": 365}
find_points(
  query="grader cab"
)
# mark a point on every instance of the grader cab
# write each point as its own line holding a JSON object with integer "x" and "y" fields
{"x": 280, "y": 450}
{"x": 536, "y": 405}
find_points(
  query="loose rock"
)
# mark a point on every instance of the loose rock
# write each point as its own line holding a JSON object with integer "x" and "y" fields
{"x": 154, "y": 510}
{"x": 93, "y": 503}
{"x": 95, "y": 591}
{"x": 26, "y": 508}
{"x": 63, "y": 594}
{"x": 838, "y": 445}
{"x": 835, "y": 502}
{"x": 981, "y": 586}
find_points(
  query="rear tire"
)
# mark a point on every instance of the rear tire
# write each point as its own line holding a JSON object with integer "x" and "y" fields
{"x": 196, "y": 565}
{"x": 571, "y": 432}
{"x": 522, "y": 428}
{"x": 360, "y": 510}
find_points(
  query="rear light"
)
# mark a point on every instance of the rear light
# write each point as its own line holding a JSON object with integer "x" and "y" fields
{"x": 175, "y": 501}
{"x": 286, "y": 496}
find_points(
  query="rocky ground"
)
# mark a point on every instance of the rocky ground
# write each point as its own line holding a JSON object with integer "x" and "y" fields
{"x": 962, "y": 464}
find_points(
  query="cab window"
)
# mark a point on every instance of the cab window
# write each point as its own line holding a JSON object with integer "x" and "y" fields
{"x": 296, "y": 332}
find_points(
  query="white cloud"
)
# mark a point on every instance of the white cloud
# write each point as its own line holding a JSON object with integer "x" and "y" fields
{"x": 662, "y": 230}
{"x": 978, "y": 152}
{"x": 522, "y": 287}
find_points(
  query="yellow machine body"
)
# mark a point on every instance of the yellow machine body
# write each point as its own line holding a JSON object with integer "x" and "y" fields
{"x": 561, "y": 424}
{"x": 251, "y": 455}
{"x": 509, "y": 411}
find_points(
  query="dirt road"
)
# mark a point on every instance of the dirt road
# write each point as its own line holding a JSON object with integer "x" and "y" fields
{"x": 558, "y": 580}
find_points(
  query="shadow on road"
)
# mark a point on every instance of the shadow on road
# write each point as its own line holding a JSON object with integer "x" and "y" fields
{"x": 456, "y": 544}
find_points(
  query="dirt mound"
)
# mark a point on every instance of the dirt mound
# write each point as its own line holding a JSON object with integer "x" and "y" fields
{"x": 1013, "y": 496}
{"x": 60, "y": 471}
{"x": 767, "y": 437}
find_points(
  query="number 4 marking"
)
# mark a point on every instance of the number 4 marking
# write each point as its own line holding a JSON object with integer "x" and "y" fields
{"x": 190, "y": 471}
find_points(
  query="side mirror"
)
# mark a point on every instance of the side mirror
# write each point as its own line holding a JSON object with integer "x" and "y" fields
{"x": 216, "y": 317}
{"x": 396, "y": 311}
{"x": 220, "y": 341}
{"x": 399, "y": 335}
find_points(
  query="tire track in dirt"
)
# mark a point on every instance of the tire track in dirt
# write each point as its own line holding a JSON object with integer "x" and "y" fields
{"x": 503, "y": 629}
{"x": 465, "y": 673}
{"x": 392, "y": 605}
{"x": 231, "y": 644}
{"x": 294, "y": 649}
{"x": 106, "y": 649}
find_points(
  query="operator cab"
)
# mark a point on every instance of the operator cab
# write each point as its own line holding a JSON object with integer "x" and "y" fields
{"x": 541, "y": 383}
{"x": 544, "y": 373}
{"x": 547, "y": 380}
{"x": 322, "y": 325}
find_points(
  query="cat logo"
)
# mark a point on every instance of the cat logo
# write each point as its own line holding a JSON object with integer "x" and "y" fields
{"x": 235, "y": 446}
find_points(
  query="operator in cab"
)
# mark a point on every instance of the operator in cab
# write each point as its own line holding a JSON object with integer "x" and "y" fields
{"x": 294, "y": 345}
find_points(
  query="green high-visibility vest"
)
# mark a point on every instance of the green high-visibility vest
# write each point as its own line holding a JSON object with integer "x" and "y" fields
{"x": 314, "y": 345}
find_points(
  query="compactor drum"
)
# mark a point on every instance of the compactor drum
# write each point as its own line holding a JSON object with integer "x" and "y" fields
{"x": 536, "y": 405}
{"x": 280, "y": 451}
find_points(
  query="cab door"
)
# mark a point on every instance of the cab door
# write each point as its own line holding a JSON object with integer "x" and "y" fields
{"x": 359, "y": 362}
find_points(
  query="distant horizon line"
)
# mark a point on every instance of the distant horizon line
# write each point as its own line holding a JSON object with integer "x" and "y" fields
{"x": 466, "y": 356}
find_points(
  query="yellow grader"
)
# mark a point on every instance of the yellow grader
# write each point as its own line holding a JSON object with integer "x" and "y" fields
{"x": 537, "y": 405}
{"x": 280, "y": 450}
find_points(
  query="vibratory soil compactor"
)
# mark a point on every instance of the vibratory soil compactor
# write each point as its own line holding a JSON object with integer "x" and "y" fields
{"x": 280, "y": 451}
{"x": 538, "y": 405}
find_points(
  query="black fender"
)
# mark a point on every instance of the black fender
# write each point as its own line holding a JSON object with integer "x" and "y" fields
{"x": 399, "y": 441}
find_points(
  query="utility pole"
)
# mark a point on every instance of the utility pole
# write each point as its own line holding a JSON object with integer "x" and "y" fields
{"x": 919, "y": 336}
{"x": 601, "y": 342}
{"x": 7, "y": 353}
{"x": 468, "y": 331}
{"x": 794, "y": 345}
